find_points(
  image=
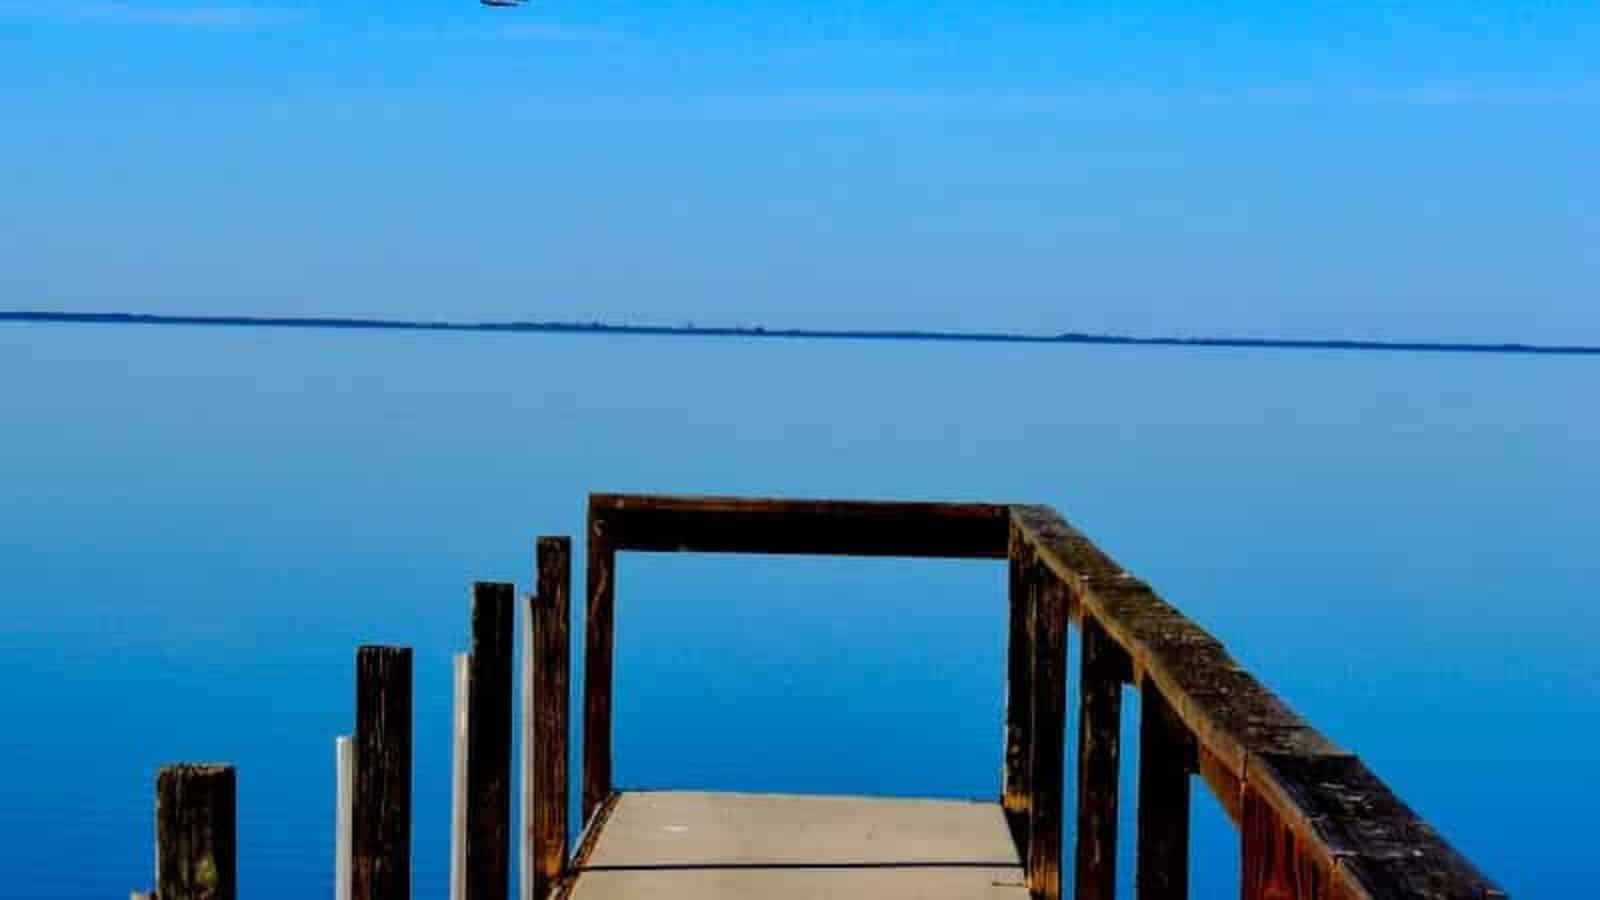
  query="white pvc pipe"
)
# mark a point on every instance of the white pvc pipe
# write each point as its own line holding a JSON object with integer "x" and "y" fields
{"x": 458, "y": 784}
{"x": 525, "y": 844}
{"x": 344, "y": 754}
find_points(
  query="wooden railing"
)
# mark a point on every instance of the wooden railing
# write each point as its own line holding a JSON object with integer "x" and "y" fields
{"x": 1314, "y": 823}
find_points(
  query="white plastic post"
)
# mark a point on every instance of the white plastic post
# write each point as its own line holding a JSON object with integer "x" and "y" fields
{"x": 344, "y": 754}
{"x": 458, "y": 785}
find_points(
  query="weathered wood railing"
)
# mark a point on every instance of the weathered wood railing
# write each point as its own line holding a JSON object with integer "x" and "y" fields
{"x": 1314, "y": 823}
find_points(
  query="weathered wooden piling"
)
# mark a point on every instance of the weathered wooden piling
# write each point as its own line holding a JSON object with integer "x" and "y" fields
{"x": 489, "y": 704}
{"x": 380, "y": 820}
{"x": 545, "y": 719}
{"x": 196, "y": 832}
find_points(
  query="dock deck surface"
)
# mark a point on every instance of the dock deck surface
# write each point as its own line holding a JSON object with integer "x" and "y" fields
{"x": 709, "y": 846}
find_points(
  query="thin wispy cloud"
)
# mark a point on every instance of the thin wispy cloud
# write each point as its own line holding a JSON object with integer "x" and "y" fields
{"x": 200, "y": 17}
{"x": 537, "y": 33}
{"x": 561, "y": 34}
{"x": 871, "y": 102}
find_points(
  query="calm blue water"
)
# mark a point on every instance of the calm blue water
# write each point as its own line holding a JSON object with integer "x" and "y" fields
{"x": 197, "y": 527}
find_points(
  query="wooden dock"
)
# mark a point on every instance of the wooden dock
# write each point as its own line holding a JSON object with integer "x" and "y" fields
{"x": 1314, "y": 823}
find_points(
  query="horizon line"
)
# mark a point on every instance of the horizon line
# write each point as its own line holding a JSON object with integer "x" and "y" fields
{"x": 761, "y": 331}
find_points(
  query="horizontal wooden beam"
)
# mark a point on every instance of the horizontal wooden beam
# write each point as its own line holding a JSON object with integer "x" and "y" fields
{"x": 824, "y": 527}
{"x": 1249, "y": 737}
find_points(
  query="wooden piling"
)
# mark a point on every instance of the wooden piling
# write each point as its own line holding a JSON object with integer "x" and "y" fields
{"x": 1166, "y": 759}
{"x": 600, "y": 587}
{"x": 380, "y": 820}
{"x": 196, "y": 832}
{"x": 1099, "y": 748}
{"x": 549, "y": 615}
{"x": 1047, "y": 734}
{"x": 489, "y": 699}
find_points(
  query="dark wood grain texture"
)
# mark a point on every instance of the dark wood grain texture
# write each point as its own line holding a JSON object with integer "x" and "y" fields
{"x": 196, "y": 832}
{"x": 837, "y": 527}
{"x": 1019, "y": 682}
{"x": 1166, "y": 759}
{"x": 1099, "y": 752}
{"x": 489, "y": 701}
{"x": 598, "y": 631}
{"x": 380, "y": 819}
{"x": 550, "y": 612}
{"x": 1047, "y": 736}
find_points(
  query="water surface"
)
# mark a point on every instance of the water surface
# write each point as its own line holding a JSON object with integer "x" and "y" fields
{"x": 197, "y": 527}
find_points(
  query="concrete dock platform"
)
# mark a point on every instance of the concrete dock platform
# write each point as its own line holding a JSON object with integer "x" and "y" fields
{"x": 709, "y": 846}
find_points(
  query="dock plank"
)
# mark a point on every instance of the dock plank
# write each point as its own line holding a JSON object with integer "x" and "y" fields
{"x": 707, "y": 845}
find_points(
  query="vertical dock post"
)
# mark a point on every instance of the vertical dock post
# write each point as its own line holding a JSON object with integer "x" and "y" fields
{"x": 545, "y": 719}
{"x": 489, "y": 699}
{"x": 1099, "y": 748}
{"x": 597, "y": 661}
{"x": 1166, "y": 759}
{"x": 1016, "y": 792}
{"x": 196, "y": 836}
{"x": 458, "y": 778}
{"x": 380, "y": 815}
{"x": 1048, "y": 734}
{"x": 344, "y": 761}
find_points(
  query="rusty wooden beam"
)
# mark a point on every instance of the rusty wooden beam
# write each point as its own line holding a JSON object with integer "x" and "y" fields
{"x": 1166, "y": 759}
{"x": 1330, "y": 819}
{"x": 380, "y": 812}
{"x": 833, "y": 527}
{"x": 489, "y": 699}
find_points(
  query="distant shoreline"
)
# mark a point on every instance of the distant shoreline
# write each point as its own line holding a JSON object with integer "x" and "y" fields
{"x": 602, "y": 328}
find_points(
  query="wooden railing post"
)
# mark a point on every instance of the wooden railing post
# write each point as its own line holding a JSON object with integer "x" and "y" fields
{"x": 1166, "y": 759}
{"x": 544, "y": 721}
{"x": 1019, "y": 683}
{"x": 1099, "y": 748}
{"x": 1047, "y": 734}
{"x": 597, "y": 656}
{"x": 196, "y": 837}
{"x": 1272, "y": 864}
{"x": 489, "y": 699}
{"x": 380, "y": 814}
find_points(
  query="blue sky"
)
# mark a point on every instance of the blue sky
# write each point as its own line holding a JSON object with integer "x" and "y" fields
{"x": 1377, "y": 170}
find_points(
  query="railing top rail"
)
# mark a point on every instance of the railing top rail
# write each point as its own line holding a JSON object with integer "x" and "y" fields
{"x": 827, "y": 527}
